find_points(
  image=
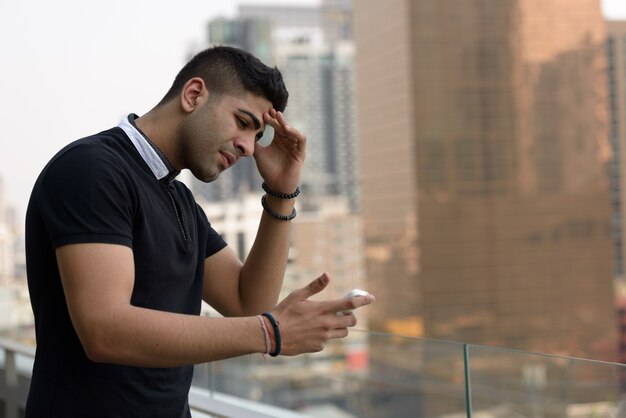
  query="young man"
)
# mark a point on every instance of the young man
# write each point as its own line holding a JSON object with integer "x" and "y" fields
{"x": 119, "y": 255}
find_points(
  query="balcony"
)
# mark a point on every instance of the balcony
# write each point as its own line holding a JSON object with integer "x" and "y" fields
{"x": 382, "y": 375}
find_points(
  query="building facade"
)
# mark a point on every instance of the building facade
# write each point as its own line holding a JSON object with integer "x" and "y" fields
{"x": 312, "y": 48}
{"x": 328, "y": 239}
{"x": 484, "y": 159}
{"x": 8, "y": 239}
{"x": 616, "y": 56}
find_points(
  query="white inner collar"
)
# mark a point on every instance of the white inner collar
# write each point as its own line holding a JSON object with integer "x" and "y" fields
{"x": 150, "y": 156}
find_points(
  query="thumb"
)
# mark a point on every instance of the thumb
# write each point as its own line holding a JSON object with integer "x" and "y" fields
{"x": 257, "y": 148}
{"x": 315, "y": 286}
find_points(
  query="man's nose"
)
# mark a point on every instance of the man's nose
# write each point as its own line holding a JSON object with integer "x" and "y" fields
{"x": 245, "y": 144}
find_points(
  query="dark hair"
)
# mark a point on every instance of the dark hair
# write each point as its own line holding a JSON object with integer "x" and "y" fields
{"x": 226, "y": 69}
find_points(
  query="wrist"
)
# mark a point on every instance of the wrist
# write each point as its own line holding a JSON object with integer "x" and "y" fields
{"x": 271, "y": 338}
{"x": 274, "y": 332}
{"x": 279, "y": 209}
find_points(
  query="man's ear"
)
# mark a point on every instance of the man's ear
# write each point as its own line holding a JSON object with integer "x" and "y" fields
{"x": 193, "y": 95}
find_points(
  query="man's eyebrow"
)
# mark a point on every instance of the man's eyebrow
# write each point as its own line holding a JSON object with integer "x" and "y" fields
{"x": 255, "y": 120}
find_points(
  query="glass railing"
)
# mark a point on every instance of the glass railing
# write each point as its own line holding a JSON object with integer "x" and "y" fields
{"x": 510, "y": 383}
{"x": 372, "y": 375}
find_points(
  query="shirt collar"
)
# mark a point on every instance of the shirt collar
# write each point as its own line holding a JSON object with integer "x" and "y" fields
{"x": 151, "y": 154}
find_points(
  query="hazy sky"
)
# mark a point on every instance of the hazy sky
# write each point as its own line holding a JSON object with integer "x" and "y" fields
{"x": 70, "y": 68}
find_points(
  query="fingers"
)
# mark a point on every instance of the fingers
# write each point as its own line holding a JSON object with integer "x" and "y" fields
{"x": 275, "y": 118}
{"x": 272, "y": 118}
{"x": 277, "y": 121}
{"x": 348, "y": 305}
{"x": 314, "y": 287}
{"x": 338, "y": 333}
{"x": 337, "y": 327}
{"x": 279, "y": 117}
{"x": 312, "y": 335}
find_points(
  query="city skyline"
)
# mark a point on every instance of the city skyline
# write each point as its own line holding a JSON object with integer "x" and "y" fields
{"x": 59, "y": 86}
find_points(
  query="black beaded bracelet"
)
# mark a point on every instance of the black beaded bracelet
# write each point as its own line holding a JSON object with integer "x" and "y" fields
{"x": 276, "y": 333}
{"x": 275, "y": 214}
{"x": 280, "y": 195}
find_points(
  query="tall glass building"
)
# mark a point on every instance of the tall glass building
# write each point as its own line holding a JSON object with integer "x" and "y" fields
{"x": 484, "y": 163}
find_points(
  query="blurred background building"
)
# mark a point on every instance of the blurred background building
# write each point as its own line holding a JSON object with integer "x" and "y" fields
{"x": 16, "y": 318}
{"x": 7, "y": 257}
{"x": 485, "y": 154}
{"x": 616, "y": 65}
{"x": 313, "y": 48}
{"x": 616, "y": 70}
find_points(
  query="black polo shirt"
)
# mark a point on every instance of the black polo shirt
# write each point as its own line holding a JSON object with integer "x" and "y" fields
{"x": 114, "y": 187}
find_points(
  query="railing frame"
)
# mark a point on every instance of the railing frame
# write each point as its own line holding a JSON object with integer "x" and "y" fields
{"x": 14, "y": 399}
{"x": 200, "y": 400}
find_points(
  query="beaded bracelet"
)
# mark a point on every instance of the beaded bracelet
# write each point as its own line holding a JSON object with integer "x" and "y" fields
{"x": 280, "y": 195}
{"x": 276, "y": 333}
{"x": 275, "y": 214}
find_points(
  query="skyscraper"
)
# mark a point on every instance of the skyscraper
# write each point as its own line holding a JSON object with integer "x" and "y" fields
{"x": 318, "y": 71}
{"x": 484, "y": 144}
{"x": 616, "y": 55}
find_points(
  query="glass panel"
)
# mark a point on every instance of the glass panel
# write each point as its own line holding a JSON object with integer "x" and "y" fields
{"x": 411, "y": 377}
{"x": 365, "y": 375}
{"x": 203, "y": 376}
{"x": 510, "y": 383}
{"x": 23, "y": 362}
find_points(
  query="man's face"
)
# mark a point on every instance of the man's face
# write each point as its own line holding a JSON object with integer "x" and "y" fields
{"x": 214, "y": 136}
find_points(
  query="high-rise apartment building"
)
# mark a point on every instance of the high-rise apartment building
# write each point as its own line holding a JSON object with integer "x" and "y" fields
{"x": 484, "y": 145}
{"x": 616, "y": 55}
{"x": 328, "y": 239}
{"x": 7, "y": 242}
{"x": 321, "y": 81}
{"x": 313, "y": 49}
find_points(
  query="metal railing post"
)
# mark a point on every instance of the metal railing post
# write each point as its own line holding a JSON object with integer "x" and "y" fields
{"x": 10, "y": 378}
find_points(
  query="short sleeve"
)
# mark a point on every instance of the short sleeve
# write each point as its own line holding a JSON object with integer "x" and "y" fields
{"x": 214, "y": 241}
{"x": 85, "y": 196}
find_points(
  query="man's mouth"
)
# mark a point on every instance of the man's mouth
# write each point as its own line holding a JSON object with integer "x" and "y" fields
{"x": 227, "y": 159}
